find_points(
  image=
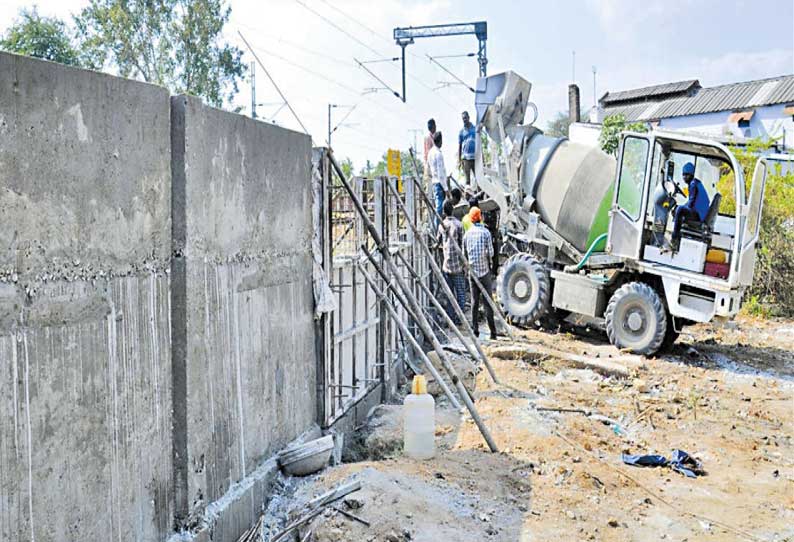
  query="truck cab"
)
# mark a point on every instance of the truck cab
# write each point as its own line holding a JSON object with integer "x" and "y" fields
{"x": 713, "y": 265}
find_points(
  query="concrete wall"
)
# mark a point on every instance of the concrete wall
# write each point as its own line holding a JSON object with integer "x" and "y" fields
{"x": 85, "y": 375}
{"x": 156, "y": 336}
{"x": 242, "y": 230}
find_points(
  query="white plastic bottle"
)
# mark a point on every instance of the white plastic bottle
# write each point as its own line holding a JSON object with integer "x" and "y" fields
{"x": 419, "y": 421}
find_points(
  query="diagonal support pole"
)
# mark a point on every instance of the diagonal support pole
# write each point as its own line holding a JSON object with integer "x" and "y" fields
{"x": 437, "y": 304}
{"x": 421, "y": 320}
{"x": 444, "y": 286}
{"x": 404, "y": 330}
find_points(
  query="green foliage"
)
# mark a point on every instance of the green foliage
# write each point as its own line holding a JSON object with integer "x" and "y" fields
{"x": 772, "y": 292}
{"x": 754, "y": 307}
{"x": 347, "y": 167}
{"x": 558, "y": 126}
{"x": 610, "y": 132}
{"x": 40, "y": 37}
{"x": 174, "y": 43}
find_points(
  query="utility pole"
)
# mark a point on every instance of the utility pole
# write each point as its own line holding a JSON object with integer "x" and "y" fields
{"x": 595, "y": 100}
{"x": 253, "y": 90}
{"x": 415, "y": 131}
{"x": 332, "y": 129}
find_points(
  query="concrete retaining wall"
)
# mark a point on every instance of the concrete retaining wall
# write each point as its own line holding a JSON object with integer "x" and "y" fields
{"x": 244, "y": 277}
{"x": 85, "y": 391}
{"x": 156, "y": 338}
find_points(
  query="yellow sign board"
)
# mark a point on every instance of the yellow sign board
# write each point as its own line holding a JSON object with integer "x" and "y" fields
{"x": 394, "y": 166}
{"x": 393, "y": 163}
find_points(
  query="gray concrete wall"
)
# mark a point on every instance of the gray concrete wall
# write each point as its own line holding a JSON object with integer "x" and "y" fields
{"x": 85, "y": 377}
{"x": 244, "y": 358}
{"x": 157, "y": 344}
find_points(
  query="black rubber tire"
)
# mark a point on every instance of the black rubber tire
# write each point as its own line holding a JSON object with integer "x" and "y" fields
{"x": 670, "y": 336}
{"x": 524, "y": 274}
{"x": 669, "y": 340}
{"x": 636, "y": 304}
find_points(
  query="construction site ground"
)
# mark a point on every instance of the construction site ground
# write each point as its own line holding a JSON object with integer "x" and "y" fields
{"x": 724, "y": 394}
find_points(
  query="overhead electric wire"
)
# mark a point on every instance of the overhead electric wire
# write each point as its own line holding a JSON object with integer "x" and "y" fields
{"x": 294, "y": 114}
{"x": 294, "y": 45}
{"x": 344, "y": 118}
{"x": 317, "y": 74}
{"x": 307, "y": 70}
{"x": 359, "y": 23}
{"x": 378, "y": 79}
{"x": 465, "y": 55}
{"x": 458, "y": 79}
{"x": 369, "y": 48}
{"x": 339, "y": 28}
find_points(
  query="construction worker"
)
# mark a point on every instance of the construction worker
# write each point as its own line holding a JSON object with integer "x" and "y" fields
{"x": 451, "y": 239}
{"x": 466, "y": 220}
{"x": 438, "y": 173}
{"x": 467, "y": 145}
{"x": 696, "y": 207}
{"x": 431, "y": 130}
{"x": 478, "y": 247}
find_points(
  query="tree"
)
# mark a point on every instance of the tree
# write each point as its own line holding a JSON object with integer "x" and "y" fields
{"x": 174, "y": 43}
{"x": 772, "y": 292}
{"x": 611, "y": 129}
{"x": 41, "y": 37}
{"x": 558, "y": 126}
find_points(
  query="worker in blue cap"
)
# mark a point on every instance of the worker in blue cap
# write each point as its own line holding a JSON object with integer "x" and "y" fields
{"x": 696, "y": 207}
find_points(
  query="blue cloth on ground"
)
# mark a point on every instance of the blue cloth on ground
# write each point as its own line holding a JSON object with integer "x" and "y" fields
{"x": 679, "y": 461}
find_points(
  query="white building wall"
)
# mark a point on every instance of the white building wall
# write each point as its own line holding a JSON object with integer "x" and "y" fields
{"x": 584, "y": 133}
{"x": 767, "y": 122}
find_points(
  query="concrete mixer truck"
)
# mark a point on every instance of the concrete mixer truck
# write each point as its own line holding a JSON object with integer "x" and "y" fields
{"x": 579, "y": 225}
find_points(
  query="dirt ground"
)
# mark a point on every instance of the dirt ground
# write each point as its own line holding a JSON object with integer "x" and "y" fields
{"x": 725, "y": 394}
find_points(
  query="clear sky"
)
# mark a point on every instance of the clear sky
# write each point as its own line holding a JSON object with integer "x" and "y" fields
{"x": 631, "y": 44}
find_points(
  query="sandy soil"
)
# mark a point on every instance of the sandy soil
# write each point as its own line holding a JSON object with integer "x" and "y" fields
{"x": 725, "y": 395}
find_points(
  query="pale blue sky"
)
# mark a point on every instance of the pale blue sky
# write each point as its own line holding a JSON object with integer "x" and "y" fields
{"x": 631, "y": 43}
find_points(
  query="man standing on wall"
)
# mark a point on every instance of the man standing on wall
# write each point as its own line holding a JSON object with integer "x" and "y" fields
{"x": 452, "y": 230}
{"x": 478, "y": 246}
{"x": 438, "y": 173}
{"x": 467, "y": 145}
{"x": 431, "y": 130}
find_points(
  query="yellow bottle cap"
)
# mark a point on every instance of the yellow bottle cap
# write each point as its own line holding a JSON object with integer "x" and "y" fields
{"x": 419, "y": 386}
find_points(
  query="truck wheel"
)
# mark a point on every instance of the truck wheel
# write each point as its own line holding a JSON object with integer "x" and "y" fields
{"x": 636, "y": 319}
{"x": 523, "y": 286}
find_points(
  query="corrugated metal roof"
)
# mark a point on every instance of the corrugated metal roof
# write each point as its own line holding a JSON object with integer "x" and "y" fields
{"x": 746, "y": 94}
{"x": 678, "y": 87}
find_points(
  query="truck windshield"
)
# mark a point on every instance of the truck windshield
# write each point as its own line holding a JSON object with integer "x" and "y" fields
{"x": 632, "y": 174}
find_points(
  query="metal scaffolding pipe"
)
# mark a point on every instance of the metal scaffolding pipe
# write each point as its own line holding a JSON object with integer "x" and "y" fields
{"x": 437, "y": 304}
{"x": 444, "y": 286}
{"x": 406, "y": 332}
{"x": 487, "y": 295}
{"x": 414, "y": 305}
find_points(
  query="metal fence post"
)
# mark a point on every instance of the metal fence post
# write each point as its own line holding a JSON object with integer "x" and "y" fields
{"x": 382, "y": 223}
{"x": 323, "y": 332}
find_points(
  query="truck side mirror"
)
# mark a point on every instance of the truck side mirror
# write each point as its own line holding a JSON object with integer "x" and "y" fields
{"x": 670, "y": 170}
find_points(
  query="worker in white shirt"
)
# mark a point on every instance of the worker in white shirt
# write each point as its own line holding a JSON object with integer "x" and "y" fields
{"x": 438, "y": 173}
{"x": 428, "y": 144}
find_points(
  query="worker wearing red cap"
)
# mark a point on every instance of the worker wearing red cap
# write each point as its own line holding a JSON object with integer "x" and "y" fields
{"x": 478, "y": 246}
